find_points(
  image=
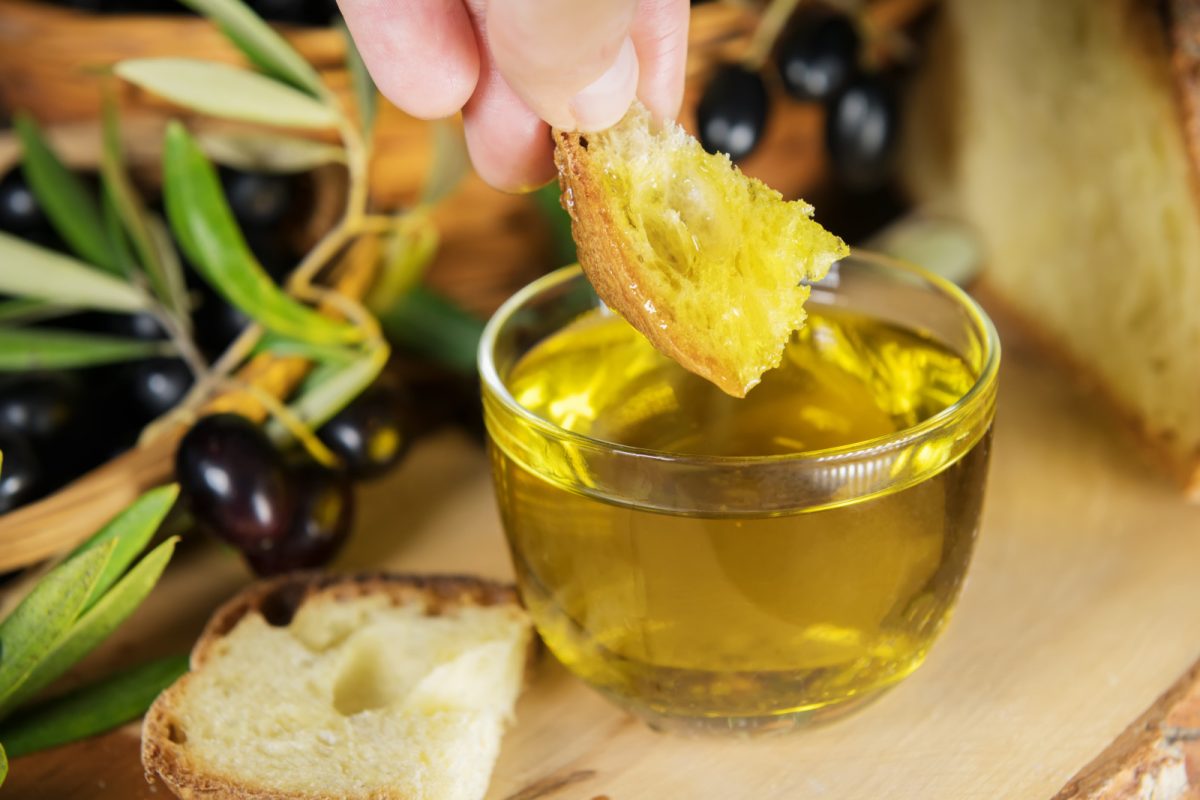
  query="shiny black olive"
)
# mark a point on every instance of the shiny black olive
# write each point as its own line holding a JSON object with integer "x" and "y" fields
{"x": 20, "y": 473}
{"x": 320, "y": 525}
{"x": 258, "y": 200}
{"x": 39, "y": 406}
{"x": 156, "y": 385}
{"x": 819, "y": 54}
{"x": 732, "y": 112}
{"x": 20, "y": 212}
{"x": 235, "y": 481}
{"x": 861, "y": 132}
{"x": 369, "y": 434}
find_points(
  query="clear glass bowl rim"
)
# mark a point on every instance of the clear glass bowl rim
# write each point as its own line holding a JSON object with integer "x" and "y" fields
{"x": 980, "y": 393}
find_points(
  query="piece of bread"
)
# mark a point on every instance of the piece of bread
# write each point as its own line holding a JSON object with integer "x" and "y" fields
{"x": 1067, "y": 133}
{"x": 706, "y": 262}
{"x": 370, "y": 686}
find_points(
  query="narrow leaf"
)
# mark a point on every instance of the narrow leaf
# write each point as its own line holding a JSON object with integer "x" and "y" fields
{"x": 265, "y": 48}
{"x": 64, "y": 197}
{"x": 257, "y": 152}
{"x": 430, "y": 325}
{"x": 93, "y": 709}
{"x": 132, "y": 529}
{"x": 409, "y": 252}
{"x": 319, "y": 400}
{"x": 450, "y": 162}
{"x": 46, "y": 614}
{"x": 366, "y": 96}
{"x": 24, "y": 310}
{"x": 46, "y": 348}
{"x": 205, "y": 228}
{"x": 172, "y": 268}
{"x": 96, "y": 624}
{"x": 220, "y": 90}
{"x": 136, "y": 219}
{"x": 3, "y": 765}
{"x": 27, "y": 270}
{"x": 271, "y": 342}
{"x": 116, "y": 233}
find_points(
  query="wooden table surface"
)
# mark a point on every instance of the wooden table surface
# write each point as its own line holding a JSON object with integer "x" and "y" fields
{"x": 1081, "y": 609}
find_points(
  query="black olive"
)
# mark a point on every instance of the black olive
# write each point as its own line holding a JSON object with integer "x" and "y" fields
{"x": 20, "y": 212}
{"x": 819, "y": 54}
{"x": 156, "y": 385}
{"x": 369, "y": 434}
{"x": 732, "y": 112}
{"x": 258, "y": 200}
{"x": 320, "y": 525}
{"x": 861, "y": 132}
{"x": 39, "y": 406}
{"x": 236, "y": 482}
{"x": 20, "y": 473}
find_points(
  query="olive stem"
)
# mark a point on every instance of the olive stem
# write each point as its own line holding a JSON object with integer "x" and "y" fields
{"x": 183, "y": 342}
{"x": 286, "y": 418}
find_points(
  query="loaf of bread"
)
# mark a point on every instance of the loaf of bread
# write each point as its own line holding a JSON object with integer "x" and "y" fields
{"x": 706, "y": 262}
{"x": 312, "y": 687}
{"x": 1066, "y": 132}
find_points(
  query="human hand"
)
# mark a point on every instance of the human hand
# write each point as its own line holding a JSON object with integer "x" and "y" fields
{"x": 512, "y": 66}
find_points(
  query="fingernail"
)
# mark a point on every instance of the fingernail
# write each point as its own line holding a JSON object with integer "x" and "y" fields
{"x": 603, "y": 102}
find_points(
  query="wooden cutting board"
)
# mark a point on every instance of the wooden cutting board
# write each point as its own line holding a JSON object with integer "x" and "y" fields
{"x": 1082, "y": 608}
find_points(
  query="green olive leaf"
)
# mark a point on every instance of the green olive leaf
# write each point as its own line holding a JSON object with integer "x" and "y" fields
{"x": 366, "y": 96}
{"x": 65, "y": 199}
{"x": 165, "y": 273}
{"x": 450, "y": 162}
{"x": 407, "y": 254}
{"x": 3, "y": 765}
{"x": 132, "y": 529}
{"x": 29, "y": 633}
{"x": 272, "y": 342}
{"x": 47, "y": 348}
{"x": 220, "y": 90}
{"x": 27, "y": 270}
{"x": 257, "y": 152}
{"x": 172, "y": 269}
{"x": 330, "y": 388}
{"x": 24, "y": 310}
{"x": 92, "y": 709}
{"x": 205, "y": 228}
{"x": 265, "y": 48}
{"x": 428, "y": 324}
{"x": 116, "y": 233}
{"x": 96, "y": 623}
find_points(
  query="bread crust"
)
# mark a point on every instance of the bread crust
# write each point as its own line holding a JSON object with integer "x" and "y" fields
{"x": 1154, "y": 447}
{"x": 277, "y": 599}
{"x": 613, "y": 269}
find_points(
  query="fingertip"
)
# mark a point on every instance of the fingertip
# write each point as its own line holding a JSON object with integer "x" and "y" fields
{"x": 509, "y": 145}
{"x": 423, "y": 57}
{"x": 660, "y": 35}
{"x": 604, "y": 102}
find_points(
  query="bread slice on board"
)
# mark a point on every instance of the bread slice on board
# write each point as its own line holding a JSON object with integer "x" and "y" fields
{"x": 706, "y": 262}
{"x": 310, "y": 687}
{"x": 1068, "y": 134}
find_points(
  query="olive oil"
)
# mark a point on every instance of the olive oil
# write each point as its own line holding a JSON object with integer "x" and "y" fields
{"x": 734, "y": 615}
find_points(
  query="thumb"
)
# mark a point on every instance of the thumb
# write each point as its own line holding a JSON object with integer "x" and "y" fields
{"x": 572, "y": 62}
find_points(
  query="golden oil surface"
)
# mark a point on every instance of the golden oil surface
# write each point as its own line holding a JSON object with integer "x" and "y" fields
{"x": 740, "y": 616}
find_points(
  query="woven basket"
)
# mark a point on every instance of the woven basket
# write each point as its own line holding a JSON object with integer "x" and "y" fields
{"x": 51, "y": 61}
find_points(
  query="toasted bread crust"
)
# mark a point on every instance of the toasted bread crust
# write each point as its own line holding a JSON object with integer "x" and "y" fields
{"x": 614, "y": 271}
{"x": 278, "y": 599}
